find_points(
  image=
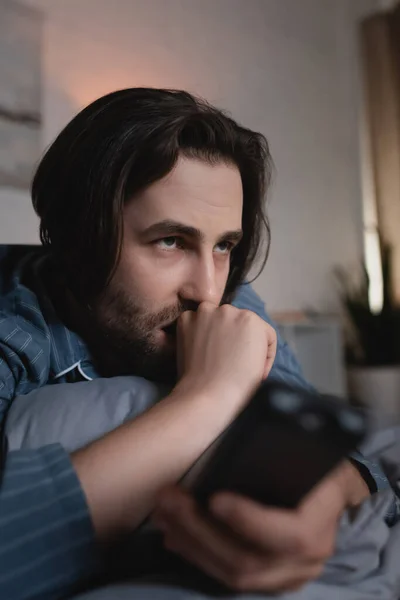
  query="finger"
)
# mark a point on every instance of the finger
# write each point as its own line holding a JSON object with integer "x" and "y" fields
{"x": 250, "y": 574}
{"x": 304, "y": 534}
{"x": 192, "y": 536}
{"x": 242, "y": 570}
{"x": 185, "y": 317}
{"x": 271, "y": 529}
{"x": 204, "y": 558}
{"x": 326, "y": 498}
{"x": 268, "y": 366}
{"x": 271, "y": 351}
{"x": 207, "y": 307}
{"x": 190, "y": 533}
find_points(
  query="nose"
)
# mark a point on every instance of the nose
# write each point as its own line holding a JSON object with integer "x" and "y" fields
{"x": 201, "y": 282}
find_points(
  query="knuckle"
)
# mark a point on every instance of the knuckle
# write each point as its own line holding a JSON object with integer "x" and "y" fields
{"x": 185, "y": 317}
{"x": 244, "y": 318}
{"x": 246, "y": 314}
{"x": 206, "y": 307}
{"x": 302, "y": 544}
{"x": 314, "y": 549}
{"x": 252, "y": 320}
{"x": 227, "y": 309}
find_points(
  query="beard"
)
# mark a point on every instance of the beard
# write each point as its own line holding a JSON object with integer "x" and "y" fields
{"x": 126, "y": 337}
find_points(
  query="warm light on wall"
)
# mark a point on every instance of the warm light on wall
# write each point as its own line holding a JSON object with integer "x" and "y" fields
{"x": 90, "y": 88}
{"x": 86, "y": 89}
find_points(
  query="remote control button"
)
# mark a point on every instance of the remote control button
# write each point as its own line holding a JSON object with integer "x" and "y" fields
{"x": 311, "y": 422}
{"x": 351, "y": 421}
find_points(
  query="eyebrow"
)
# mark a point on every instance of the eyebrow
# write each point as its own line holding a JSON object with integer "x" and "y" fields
{"x": 170, "y": 228}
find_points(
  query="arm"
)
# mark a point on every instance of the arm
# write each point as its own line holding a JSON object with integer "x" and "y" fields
{"x": 223, "y": 354}
{"x": 45, "y": 502}
{"x": 161, "y": 444}
{"x": 55, "y": 508}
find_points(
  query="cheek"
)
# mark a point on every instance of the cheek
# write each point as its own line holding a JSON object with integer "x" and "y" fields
{"x": 222, "y": 275}
{"x": 152, "y": 278}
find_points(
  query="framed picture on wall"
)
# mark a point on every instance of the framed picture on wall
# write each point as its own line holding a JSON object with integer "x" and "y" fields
{"x": 20, "y": 86}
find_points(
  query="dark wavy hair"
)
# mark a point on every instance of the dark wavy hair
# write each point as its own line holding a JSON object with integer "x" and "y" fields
{"x": 116, "y": 147}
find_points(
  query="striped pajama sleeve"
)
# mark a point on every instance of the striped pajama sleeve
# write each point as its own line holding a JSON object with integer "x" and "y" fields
{"x": 47, "y": 544}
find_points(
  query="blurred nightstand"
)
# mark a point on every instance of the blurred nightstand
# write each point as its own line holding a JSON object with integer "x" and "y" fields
{"x": 318, "y": 345}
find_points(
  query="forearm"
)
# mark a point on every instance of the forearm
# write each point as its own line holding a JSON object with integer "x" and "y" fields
{"x": 122, "y": 473}
{"x": 54, "y": 513}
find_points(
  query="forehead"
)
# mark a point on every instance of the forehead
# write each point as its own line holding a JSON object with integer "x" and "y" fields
{"x": 208, "y": 197}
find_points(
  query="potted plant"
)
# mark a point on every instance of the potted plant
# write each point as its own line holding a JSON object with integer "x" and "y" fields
{"x": 372, "y": 340}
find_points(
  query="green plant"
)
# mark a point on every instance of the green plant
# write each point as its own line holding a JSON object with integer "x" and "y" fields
{"x": 372, "y": 339}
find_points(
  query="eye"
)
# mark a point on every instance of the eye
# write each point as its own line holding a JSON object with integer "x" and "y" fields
{"x": 168, "y": 243}
{"x": 224, "y": 247}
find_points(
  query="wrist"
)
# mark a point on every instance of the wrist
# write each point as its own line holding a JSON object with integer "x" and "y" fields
{"x": 225, "y": 396}
{"x": 354, "y": 485}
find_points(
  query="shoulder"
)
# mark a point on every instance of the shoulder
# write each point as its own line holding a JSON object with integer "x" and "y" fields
{"x": 24, "y": 346}
{"x": 24, "y": 332}
{"x": 247, "y": 298}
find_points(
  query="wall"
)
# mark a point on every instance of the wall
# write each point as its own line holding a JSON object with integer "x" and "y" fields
{"x": 285, "y": 67}
{"x": 388, "y": 4}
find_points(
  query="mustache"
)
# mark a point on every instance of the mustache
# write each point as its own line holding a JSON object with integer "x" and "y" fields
{"x": 171, "y": 314}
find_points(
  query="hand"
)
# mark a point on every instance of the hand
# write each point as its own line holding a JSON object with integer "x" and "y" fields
{"x": 253, "y": 548}
{"x": 224, "y": 349}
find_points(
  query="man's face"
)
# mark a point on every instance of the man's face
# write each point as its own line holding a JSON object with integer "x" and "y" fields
{"x": 178, "y": 236}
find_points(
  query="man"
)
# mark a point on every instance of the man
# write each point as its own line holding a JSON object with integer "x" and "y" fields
{"x": 151, "y": 215}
